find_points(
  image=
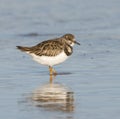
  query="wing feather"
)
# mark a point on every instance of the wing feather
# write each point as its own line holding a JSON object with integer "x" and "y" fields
{"x": 48, "y": 48}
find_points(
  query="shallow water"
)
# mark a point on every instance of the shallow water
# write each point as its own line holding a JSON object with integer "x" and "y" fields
{"x": 91, "y": 74}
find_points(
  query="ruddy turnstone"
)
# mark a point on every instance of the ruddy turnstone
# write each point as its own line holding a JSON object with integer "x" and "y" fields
{"x": 52, "y": 52}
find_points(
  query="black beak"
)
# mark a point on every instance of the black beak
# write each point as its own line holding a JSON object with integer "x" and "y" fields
{"x": 76, "y": 43}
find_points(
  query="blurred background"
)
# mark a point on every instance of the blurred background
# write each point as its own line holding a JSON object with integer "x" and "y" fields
{"x": 91, "y": 80}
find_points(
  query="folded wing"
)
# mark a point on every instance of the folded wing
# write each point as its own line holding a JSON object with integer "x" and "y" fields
{"x": 47, "y": 48}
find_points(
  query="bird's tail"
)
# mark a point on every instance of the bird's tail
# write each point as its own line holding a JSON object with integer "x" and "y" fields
{"x": 25, "y": 49}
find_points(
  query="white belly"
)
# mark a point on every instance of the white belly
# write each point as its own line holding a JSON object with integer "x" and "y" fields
{"x": 50, "y": 61}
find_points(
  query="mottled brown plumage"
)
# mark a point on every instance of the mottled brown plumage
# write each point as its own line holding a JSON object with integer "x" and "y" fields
{"x": 52, "y": 48}
{"x": 48, "y": 48}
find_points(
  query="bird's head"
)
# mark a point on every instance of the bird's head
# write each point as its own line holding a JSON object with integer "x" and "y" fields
{"x": 70, "y": 39}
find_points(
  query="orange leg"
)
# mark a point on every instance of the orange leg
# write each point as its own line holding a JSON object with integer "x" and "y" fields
{"x": 52, "y": 71}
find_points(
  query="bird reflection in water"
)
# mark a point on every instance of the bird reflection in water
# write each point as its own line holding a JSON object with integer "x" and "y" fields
{"x": 54, "y": 97}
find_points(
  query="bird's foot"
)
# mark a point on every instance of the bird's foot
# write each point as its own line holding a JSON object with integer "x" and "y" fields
{"x": 52, "y": 71}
